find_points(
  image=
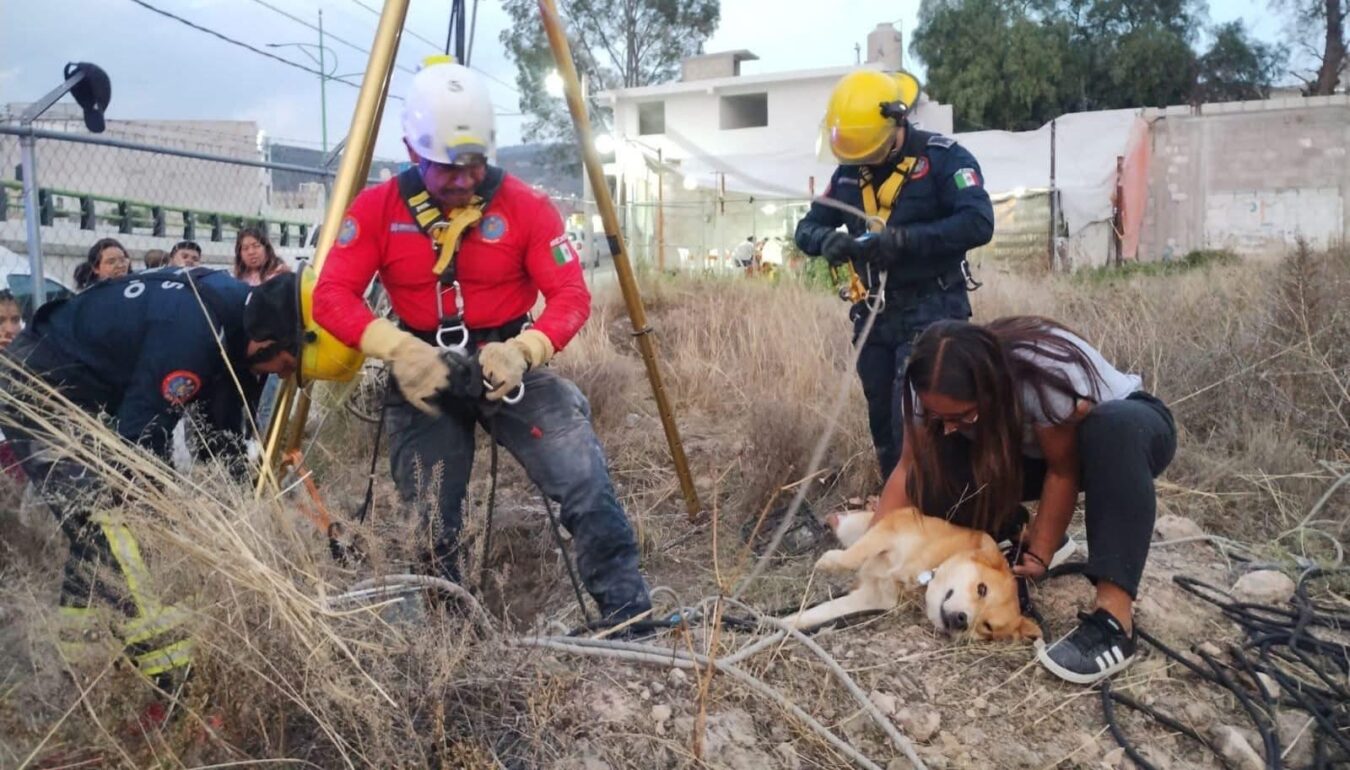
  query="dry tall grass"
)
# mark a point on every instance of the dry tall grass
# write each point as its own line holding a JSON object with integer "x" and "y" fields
{"x": 1253, "y": 358}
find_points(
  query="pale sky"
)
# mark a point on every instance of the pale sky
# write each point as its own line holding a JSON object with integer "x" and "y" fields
{"x": 162, "y": 69}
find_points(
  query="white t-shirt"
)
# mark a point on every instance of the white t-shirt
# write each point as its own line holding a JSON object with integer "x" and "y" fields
{"x": 1111, "y": 385}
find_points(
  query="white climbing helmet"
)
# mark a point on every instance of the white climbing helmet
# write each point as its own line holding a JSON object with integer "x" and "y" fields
{"x": 447, "y": 113}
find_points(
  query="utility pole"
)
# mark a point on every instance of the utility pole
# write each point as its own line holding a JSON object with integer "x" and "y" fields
{"x": 323, "y": 88}
{"x": 660, "y": 210}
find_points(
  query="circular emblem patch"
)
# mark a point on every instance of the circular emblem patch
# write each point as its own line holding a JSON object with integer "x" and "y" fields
{"x": 920, "y": 169}
{"x": 493, "y": 227}
{"x": 180, "y": 386}
{"x": 347, "y": 231}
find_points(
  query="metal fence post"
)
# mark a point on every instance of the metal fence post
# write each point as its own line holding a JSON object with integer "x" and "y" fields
{"x": 31, "y": 214}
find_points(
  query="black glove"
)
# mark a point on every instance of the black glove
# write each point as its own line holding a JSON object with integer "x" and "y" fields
{"x": 885, "y": 249}
{"x": 466, "y": 378}
{"x": 839, "y": 248}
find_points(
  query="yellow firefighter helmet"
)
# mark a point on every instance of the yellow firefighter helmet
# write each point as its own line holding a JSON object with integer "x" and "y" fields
{"x": 864, "y": 110}
{"x": 322, "y": 356}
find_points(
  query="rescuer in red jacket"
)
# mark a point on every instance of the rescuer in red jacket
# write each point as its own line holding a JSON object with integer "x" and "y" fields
{"x": 463, "y": 250}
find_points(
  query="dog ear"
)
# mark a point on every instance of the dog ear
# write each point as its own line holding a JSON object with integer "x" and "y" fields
{"x": 991, "y": 558}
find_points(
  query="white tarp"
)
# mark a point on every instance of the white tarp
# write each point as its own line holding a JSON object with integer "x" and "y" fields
{"x": 1086, "y": 147}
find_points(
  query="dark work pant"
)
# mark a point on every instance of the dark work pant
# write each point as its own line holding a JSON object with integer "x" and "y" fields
{"x": 549, "y": 432}
{"x": 73, "y": 492}
{"x": 881, "y": 364}
{"x": 1123, "y": 446}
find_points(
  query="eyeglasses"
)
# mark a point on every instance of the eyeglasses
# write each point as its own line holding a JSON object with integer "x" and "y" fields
{"x": 966, "y": 419}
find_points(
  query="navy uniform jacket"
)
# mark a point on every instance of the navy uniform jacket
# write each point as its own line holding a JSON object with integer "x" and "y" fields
{"x": 142, "y": 347}
{"x": 943, "y": 208}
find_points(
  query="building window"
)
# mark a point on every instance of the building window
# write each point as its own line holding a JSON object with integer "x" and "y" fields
{"x": 651, "y": 118}
{"x": 745, "y": 111}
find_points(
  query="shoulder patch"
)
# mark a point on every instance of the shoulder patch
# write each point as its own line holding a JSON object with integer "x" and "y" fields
{"x": 180, "y": 386}
{"x": 941, "y": 141}
{"x": 966, "y": 177}
{"x": 347, "y": 231}
{"x": 492, "y": 228}
{"x": 563, "y": 251}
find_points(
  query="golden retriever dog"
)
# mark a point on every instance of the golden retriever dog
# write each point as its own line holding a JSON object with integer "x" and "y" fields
{"x": 969, "y": 587}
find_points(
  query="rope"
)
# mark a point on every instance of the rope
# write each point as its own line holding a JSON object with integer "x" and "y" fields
{"x": 1279, "y": 645}
{"x": 818, "y": 453}
{"x": 689, "y": 660}
{"x": 374, "y": 460}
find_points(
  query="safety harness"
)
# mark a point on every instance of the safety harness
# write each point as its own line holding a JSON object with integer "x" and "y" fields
{"x": 878, "y": 203}
{"x": 447, "y": 235}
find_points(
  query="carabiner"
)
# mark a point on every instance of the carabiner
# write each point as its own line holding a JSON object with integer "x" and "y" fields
{"x": 461, "y": 345}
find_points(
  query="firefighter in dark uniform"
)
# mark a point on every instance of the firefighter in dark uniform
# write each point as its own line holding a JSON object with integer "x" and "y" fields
{"x": 926, "y": 207}
{"x": 140, "y": 348}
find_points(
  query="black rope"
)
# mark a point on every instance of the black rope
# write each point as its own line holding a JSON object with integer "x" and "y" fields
{"x": 491, "y": 506}
{"x": 556, "y": 528}
{"x": 374, "y": 460}
{"x": 1277, "y": 638}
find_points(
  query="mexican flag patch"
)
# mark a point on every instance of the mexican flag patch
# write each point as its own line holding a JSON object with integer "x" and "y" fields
{"x": 966, "y": 177}
{"x": 562, "y": 250}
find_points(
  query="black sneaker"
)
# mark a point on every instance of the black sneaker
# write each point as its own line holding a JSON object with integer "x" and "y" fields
{"x": 1094, "y": 650}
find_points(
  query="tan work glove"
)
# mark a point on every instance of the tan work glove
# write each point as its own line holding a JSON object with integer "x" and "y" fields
{"x": 505, "y": 363}
{"x": 418, "y": 367}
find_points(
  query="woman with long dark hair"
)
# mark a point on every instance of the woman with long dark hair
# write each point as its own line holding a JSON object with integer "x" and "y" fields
{"x": 107, "y": 258}
{"x": 255, "y": 261}
{"x": 1025, "y": 409}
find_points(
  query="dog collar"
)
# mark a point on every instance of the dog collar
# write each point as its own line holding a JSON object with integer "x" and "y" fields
{"x": 925, "y": 577}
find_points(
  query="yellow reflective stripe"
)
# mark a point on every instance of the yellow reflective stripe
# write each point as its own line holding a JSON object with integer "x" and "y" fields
{"x": 151, "y": 625}
{"x": 425, "y": 218}
{"x": 128, "y": 555}
{"x": 420, "y": 198}
{"x": 165, "y": 659}
{"x": 75, "y": 613}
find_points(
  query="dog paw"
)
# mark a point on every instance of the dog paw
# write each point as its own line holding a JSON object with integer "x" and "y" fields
{"x": 831, "y": 561}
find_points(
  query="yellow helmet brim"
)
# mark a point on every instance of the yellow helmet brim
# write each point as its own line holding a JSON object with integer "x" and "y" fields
{"x": 322, "y": 356}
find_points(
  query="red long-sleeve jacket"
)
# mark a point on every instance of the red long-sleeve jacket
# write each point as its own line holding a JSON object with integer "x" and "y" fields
{"x": 517, "y": 251}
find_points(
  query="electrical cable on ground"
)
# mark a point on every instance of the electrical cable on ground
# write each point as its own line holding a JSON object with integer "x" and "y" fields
{"x": 1311, "y": 672}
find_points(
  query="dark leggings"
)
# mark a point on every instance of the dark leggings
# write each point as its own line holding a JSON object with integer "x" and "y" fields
{"x": 1123, "y": 446}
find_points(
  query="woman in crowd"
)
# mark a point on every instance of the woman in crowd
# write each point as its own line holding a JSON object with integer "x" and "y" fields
{"x": 106, "y": 259}
{"x": 1024, "y": 409}
{"x": 255, "y": 261}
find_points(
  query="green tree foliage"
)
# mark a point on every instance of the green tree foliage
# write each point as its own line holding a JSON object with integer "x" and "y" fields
{"x": 1236, "y": 67}
{"x": 1015, "y": 64}
{"x": 616, "y": 44}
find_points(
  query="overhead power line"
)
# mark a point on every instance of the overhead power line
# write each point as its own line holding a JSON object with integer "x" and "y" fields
{"x": 406, "y": 31}
{"x": 247, "y": 47}
{"x": 439, "y": 47}
{"x": 324, "y": 33}
{"x": 284, "y": 60}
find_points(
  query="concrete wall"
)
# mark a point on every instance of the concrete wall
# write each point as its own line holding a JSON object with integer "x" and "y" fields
{"x": 1248, "y": 176}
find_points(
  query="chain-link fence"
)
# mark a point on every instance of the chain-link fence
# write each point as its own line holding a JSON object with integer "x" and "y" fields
{"x": 150, "y": 185}
{"x": 702, "y": 230}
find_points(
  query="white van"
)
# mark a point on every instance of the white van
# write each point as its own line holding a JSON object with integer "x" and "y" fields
{"x": 18, "y": 279}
